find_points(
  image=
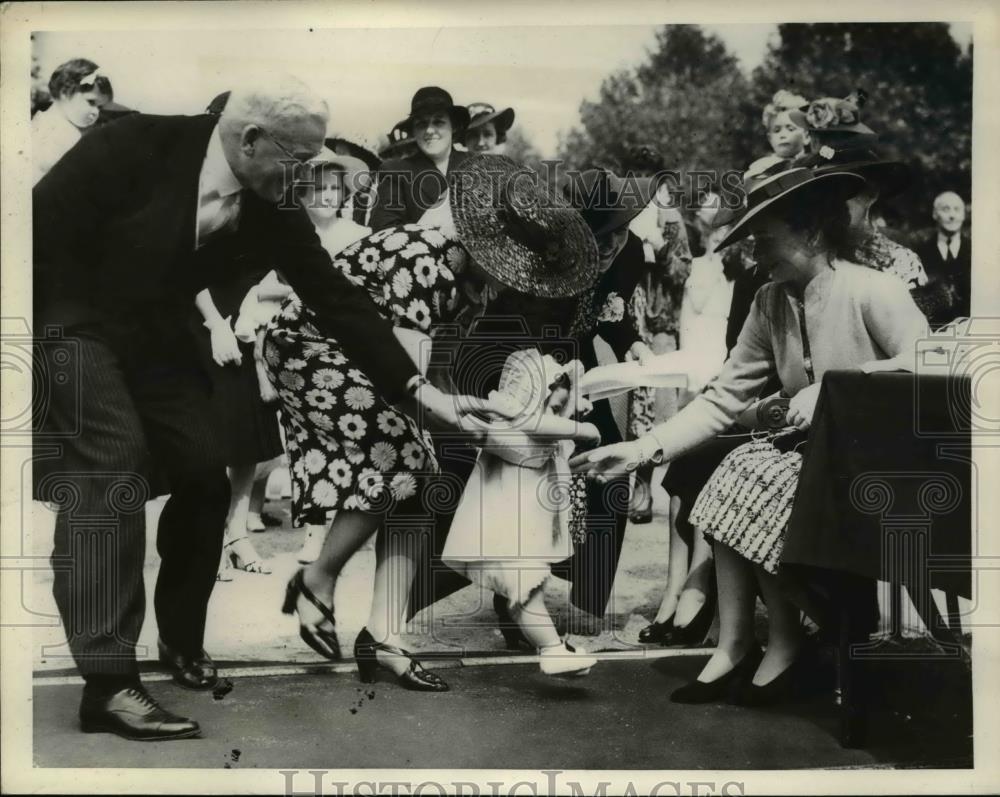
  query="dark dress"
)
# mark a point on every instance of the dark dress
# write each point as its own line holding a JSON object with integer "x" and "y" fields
{"x": 247, "y": 428}
{"x": 345, "y": 443}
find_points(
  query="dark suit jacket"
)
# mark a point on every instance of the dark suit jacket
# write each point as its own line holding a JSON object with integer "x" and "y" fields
{"x": 408, "y": 187}
{"x": 114, "y": 248}
{"x": 948, "y": 292}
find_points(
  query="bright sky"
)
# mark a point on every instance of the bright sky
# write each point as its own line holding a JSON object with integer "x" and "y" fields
{"x": 369, "y": 75}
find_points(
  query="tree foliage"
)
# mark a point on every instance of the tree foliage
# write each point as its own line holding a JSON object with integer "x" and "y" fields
{"x": 691, "y": 101}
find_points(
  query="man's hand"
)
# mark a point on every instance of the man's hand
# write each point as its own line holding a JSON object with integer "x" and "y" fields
{"x": 225, "y": 347}
{"x": 801, "y": 408}
{"x": 608, "y": 462}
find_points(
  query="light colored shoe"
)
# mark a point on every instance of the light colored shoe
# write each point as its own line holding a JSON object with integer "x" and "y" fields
{"x": 313, "y": 544}
{"x": 243, "y": 556}
{"x": 559, "y": 661}
{"x": 255, "y": 522}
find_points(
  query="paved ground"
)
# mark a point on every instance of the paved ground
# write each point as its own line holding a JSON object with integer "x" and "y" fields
{"x": 504, "y": 717}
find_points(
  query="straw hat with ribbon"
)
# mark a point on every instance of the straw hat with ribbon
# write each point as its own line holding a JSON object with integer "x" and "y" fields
{"x": 517, "y": 231}
{"x": 769, "y": 194}
{"x": 608, "y": 202}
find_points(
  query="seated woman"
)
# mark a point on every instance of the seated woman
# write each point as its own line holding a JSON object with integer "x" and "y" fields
{"x": 819, "y": 313}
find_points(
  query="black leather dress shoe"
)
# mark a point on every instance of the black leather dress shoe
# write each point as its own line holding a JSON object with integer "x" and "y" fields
{"x": 133, "y": 714}
{"x": 192, "y": 672}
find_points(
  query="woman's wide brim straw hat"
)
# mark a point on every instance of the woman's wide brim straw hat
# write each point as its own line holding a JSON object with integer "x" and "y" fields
{"x": 519, "y": 231}
{"x": 768, "y": 196}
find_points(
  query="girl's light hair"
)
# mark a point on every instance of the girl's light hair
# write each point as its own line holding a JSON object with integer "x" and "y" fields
{"x": 782, "y": 101}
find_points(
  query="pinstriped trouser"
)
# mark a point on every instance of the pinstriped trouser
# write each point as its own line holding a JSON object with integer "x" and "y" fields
{"x": 126, "y": 417}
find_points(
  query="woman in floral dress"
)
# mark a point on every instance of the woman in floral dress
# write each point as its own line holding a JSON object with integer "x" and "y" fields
{"x": 350, "y": 451}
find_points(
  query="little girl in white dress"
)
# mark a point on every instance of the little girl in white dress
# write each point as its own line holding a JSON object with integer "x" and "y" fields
{"x": 513, "y": 520}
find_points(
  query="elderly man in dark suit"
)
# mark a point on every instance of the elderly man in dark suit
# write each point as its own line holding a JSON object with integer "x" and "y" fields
{"x": 947, "y": 257}
{"x": 128, "y": 227}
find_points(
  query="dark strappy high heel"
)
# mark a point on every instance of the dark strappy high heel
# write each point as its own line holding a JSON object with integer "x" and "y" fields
{"x": 324, "y": 642}
{"x": 415, "y": 678}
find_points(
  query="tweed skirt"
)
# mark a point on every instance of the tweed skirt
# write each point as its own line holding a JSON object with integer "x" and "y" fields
{"x": 746, "y": 503}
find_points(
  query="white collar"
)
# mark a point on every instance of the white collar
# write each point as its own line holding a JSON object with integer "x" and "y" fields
{"x": 216, "y": 174}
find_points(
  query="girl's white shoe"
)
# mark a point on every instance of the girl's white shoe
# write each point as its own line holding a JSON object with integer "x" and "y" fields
{"x": 559, "y": 661}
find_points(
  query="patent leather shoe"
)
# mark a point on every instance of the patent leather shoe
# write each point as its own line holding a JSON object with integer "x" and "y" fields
{"x": 656, "y": 633}
{"x": 192, "y": 672}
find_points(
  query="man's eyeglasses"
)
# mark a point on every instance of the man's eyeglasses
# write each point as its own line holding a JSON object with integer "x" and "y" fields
{"x": 291, "y": 155}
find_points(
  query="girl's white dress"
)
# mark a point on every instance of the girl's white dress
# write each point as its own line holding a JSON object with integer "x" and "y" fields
{"x": 513, "y": 519}
{"x": 704, "y": 315}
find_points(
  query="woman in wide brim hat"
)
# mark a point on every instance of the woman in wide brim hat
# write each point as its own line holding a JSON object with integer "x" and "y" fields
{"x": 487, "y": 128}
{"x": 819, "y": 313}
{"x": 796, "y": 183}
{"x": 412, "y": 185}
{"x": 524, "y": 236}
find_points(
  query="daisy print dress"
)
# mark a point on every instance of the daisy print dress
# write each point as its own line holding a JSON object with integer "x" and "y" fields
{"x": 348, "y": 448}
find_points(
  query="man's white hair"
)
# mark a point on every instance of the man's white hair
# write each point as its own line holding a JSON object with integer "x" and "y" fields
{"x": 270, "y": 99}
{"x": 948, "y": 195}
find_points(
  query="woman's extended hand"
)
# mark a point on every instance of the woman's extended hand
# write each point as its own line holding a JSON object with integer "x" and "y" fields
{"x": 608, "y": 462}
{"x": 639, "y": 351}
{"x": 801, "y": 407}
{"x": 225, "y": 347}
{"x": 452, "y": 413}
